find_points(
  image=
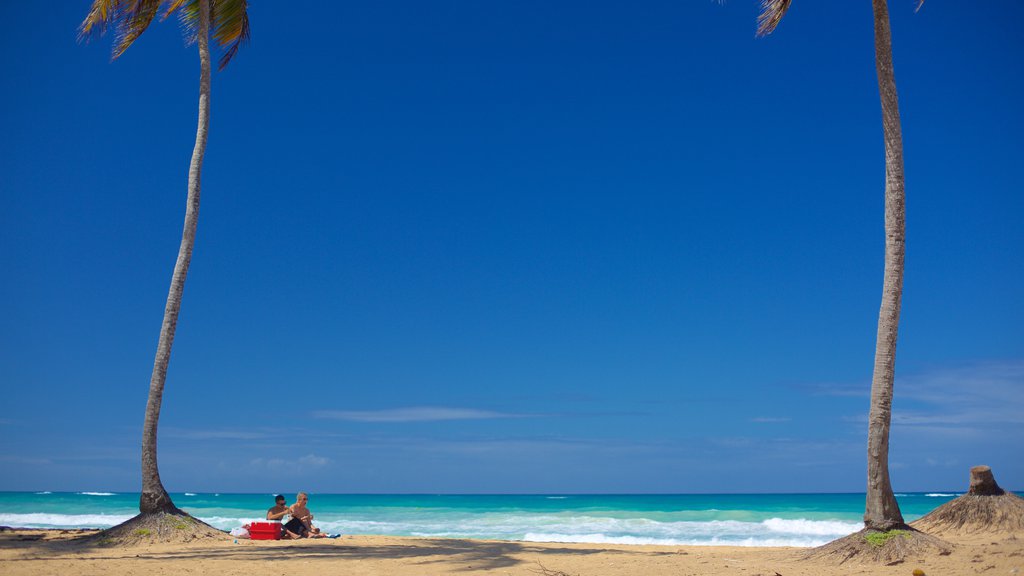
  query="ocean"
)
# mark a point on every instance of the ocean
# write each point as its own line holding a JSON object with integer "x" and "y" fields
{"x": 677, "y": 519}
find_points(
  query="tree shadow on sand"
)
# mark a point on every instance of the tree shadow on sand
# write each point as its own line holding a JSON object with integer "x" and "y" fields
{"x": 470, "y": 555}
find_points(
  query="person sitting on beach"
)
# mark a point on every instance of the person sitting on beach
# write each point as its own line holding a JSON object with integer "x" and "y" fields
{"x": 301, "y": 524}
{"x": 279, "y": 511}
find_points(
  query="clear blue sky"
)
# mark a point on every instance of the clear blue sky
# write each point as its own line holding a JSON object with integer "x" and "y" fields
{"x": 498, "y": 246}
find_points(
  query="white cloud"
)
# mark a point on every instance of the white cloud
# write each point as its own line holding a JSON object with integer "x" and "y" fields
{"x": 413, "y": 414}
{"x": 25, "y": 460}
{"x": 967, "y": 398}
{"x": 985, "y": 381}
{"x": 960, "y": 400}
{"x": 503, "y": 447}
{"x": 307, "y": 462}
{"x": 271, "y": 463}
{"x": 313, "y": 461}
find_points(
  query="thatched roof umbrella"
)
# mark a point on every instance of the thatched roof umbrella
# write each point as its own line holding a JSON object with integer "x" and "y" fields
{"x": 984, "y": 509}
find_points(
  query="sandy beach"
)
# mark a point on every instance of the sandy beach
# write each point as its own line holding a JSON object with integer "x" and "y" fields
{"x": 55, "y": 552}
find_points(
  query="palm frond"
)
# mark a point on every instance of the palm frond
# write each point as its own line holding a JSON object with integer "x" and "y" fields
{"x": 132, "y": 20}
{"x": 229, "y": 23}
{"x": 100, "y": 14}
{"x": 174, "y": 5}
{"x": 188, "y": 17}
{"x": 230, "y": 26}
{"x": 129, "y": 19}
{"x": 772, "y": 12}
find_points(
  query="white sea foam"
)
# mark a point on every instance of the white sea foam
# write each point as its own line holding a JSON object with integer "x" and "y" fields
{"x": 229, "y": 522}
{"x": 812, "y": 527}
{"x": 47, "y": 492}
{"x": 603, "y": 530}
{"x": 97, "y": 494}
{"x": 634, "y": 540}
{"x": 939, "y": 495}
{"x": 771, "y": 532}
{"x": 596, "y": 539}
{"x": 38, "y": 520}
{"x": 557, "y": 497}
{"x": 190, "y": 494}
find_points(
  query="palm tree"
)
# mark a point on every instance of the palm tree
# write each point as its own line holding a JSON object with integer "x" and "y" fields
{"x": 880, "y": 538}
{"x": 881, "y": 512}
{"x": 229, "y": 22}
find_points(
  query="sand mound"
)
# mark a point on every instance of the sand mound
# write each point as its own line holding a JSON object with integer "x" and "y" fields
{"x": 986, "y": 509}
{"x": 975, "y": 515}
{"x": 162, "y": 527}
{"x": 873, "y": 546}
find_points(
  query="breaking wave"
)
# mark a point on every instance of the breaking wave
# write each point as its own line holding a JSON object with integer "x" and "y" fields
{"x": 600, "y": 530}
{"x": 37, "y": 520}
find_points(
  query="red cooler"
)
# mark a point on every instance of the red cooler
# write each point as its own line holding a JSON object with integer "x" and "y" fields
{"x": 265, "y": 530}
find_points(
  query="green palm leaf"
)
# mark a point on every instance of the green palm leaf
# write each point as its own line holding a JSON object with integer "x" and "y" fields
{"x": 230, "y": 26}
{"x": 129, "y": 18}
{"x": 229, "y": 22}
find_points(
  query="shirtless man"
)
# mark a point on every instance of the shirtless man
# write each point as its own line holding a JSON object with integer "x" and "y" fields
{"x": 278, "y": 512}
{"x": 302, "y": 519}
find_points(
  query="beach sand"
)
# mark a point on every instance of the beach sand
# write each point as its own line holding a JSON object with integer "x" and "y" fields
{"x": 52, "y": 552}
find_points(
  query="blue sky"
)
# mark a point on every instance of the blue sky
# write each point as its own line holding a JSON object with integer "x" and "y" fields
{"x": 512, "y": 247}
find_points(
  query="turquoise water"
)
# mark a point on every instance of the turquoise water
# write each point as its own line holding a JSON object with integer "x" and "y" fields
{"x": 676, "y": 519}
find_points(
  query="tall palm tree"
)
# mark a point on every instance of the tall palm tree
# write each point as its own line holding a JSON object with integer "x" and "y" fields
{"x": 229, "y": 22}
{"x": 881, "y": 512}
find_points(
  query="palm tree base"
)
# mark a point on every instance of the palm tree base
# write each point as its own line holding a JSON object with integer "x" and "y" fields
{"x": 877, "y": 547}
{"x": 156, "y": 501}
{"x": 153, "y": 527}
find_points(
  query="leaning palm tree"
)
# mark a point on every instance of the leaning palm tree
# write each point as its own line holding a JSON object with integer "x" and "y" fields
{"x": 228, "y": 22}
{"x": 886, "y": 536}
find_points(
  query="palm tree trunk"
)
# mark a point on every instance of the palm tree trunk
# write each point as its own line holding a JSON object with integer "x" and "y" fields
{"x": 154, "y": 497}
{"x": 881, "y": 510}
